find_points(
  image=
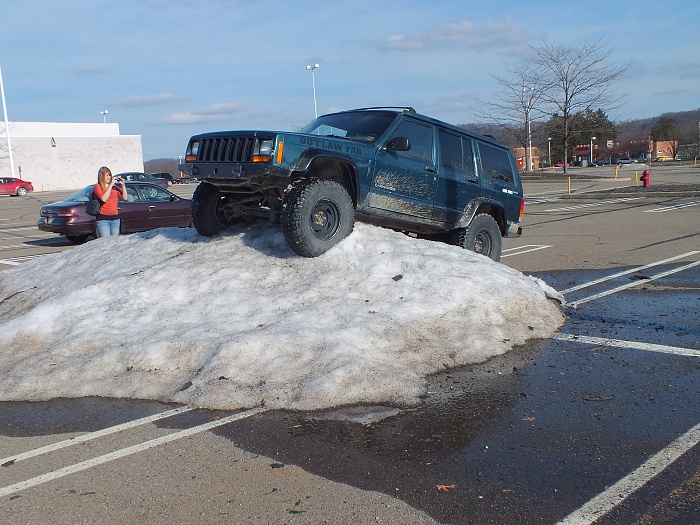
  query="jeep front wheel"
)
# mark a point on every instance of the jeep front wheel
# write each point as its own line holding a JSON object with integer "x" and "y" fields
{"x": 481, "y": 236}
{"x": 316, "y": 215}
{"x": 206, "y": 213}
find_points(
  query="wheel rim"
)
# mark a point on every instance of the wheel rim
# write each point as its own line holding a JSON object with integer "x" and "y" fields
{"x": 483, "y": 243}
{"x": 325, "y": 220}
{"x": 22, "y": 192}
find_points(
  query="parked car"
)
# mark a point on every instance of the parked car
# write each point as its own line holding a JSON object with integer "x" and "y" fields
{"x": 600, "y": 162}
{"x": 169, "y": 179}
{"x": 624, "y": 160}
{"x": 137, "y": 176}
{"x": 13, "y": 186}
{"x": 147, "y": 207}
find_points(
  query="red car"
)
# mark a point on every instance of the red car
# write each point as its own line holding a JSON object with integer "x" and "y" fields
{"x": 148, "y": 207}
{"x": 12, "y": 186}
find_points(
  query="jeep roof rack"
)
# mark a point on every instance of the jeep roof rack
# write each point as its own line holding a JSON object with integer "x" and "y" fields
{"x": 405, "y": 109}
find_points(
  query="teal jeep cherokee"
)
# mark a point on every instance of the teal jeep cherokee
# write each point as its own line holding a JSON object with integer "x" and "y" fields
{"x": 387, "y": 166}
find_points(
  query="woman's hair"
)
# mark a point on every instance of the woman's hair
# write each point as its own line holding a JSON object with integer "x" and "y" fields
{"x": 102, "y": 176}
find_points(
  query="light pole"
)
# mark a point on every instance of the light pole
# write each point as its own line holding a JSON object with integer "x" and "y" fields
{"x": 104, "y": 115}
{"x": 591, "y": 159}
{"x": 313, "y": 83}
{"x": 549, "y": 151}
{"x": 528, "y": 147}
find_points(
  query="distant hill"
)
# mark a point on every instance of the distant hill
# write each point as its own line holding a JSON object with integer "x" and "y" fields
{"x": 628, "y": 130}
{"x": 163, "y": 166}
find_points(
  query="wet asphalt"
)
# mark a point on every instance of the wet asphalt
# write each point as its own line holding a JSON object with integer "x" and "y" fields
{"x": 526, "y": 438}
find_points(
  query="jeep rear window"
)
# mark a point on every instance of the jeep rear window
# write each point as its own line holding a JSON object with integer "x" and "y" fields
{"x": 495, "y": 163}
{"x": 364, "y": 126}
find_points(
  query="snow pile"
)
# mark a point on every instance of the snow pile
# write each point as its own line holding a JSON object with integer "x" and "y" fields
{"x": 239, "y": 320}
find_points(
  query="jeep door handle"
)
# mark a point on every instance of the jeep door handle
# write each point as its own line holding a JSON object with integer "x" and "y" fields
{"x": 431, "y": 169}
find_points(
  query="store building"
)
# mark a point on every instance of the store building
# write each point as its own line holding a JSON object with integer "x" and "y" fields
{"x": 65, "y": 156}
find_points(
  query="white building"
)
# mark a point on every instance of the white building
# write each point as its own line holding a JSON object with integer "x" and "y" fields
{"x": 65, "y": 156}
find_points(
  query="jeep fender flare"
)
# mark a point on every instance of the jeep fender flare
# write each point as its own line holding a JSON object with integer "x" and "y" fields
{"x": 483, "y": 205}
{"x": 312, "y": 157}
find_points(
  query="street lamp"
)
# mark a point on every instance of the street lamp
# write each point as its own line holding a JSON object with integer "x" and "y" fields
{"x": 313, "y": 83}
{"x": 528, "y": 148}
{"x": 591, "y": 159}
{"x": 104, "y": 115}
{"x": 549, "y": 150}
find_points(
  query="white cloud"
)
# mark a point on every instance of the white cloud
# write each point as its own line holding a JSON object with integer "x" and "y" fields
{"x": 213, "y": 113}
{"x": 187, "y": 117}
{"x": 464, "y": 34}
{"x": 136, "y": 101}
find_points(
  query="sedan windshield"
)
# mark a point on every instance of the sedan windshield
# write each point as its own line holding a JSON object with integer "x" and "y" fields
{"x": 365, "y": 126}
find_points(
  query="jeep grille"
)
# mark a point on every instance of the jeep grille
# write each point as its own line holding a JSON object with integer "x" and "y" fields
{"x": 229, "y": 149}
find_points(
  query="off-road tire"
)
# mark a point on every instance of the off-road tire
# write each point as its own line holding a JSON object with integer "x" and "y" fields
{"x": 205, "y": 215}
{"x": 481, "y": 236}
{"x": 316, "y": 215}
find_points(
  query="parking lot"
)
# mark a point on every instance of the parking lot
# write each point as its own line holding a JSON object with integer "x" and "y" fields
{"x": 600, "y": 424}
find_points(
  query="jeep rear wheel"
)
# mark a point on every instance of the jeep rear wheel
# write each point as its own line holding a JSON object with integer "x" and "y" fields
{"x": 316, "y": 215}
{"x": 206, "y": 213}
{"x": 481, "y": 236}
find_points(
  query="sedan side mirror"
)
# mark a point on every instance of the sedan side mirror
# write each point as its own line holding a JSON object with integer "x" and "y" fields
{"x": 398, "y": 144}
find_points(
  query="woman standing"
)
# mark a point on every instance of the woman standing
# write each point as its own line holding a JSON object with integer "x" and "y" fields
{"x": 108, "y": 218}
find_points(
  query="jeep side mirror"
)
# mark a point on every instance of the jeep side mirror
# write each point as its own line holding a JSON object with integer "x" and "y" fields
{"x": 398, "y": 144}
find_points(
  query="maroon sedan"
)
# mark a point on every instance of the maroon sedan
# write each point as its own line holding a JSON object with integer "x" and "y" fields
{"x": 12, "y": 186}
{"x": 148, "y": 207}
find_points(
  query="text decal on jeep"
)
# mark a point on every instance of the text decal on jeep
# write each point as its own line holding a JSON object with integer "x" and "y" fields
{"x": 387, "y": 166}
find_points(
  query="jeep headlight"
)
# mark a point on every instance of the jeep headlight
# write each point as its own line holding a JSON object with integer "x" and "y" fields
{"x": 264, "y": 151}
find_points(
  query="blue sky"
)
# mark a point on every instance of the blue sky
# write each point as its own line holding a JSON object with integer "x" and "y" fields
{"x": 168, "y": 69}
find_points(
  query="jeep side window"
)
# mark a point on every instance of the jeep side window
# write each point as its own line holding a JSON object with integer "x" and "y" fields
{"x": 456, "y": 152}
{"x": 420, "y": 137}
{"x": 495, "y": 163}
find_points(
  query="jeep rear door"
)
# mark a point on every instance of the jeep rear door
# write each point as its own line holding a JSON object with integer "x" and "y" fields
{"x": 498, "y": 179}
{"x": 458, "y": 182}
{"x": 403, "y": 182}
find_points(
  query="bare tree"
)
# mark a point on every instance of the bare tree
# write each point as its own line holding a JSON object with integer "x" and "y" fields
{"x": 575, "y": 80}
{"x": 516, "y": 105}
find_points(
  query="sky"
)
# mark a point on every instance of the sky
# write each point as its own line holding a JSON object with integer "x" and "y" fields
{"x": 169, "y": 69}
{"x": 238, "y": 320}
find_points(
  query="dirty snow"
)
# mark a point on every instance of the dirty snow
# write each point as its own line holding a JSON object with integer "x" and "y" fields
{"x": 239, "y": 320}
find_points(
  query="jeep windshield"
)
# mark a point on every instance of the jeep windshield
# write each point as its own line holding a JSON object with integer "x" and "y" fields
{"x": 363, "y": 126}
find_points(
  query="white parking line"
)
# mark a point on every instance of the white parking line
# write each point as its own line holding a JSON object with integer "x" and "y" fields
{"x": 117, "y": 454}
{"x": 16, "y": 261}
{"x": 674, "y": 207}
{"x": 620, "y": 491}
{"x": 618, "y": 343}
{"x": 93, "y": 435}
{"x": 594, "y": 204}
{"x": 575, "y": 304}
{"x": 522, "y": 249}
{"x": 626, "y": 272}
